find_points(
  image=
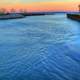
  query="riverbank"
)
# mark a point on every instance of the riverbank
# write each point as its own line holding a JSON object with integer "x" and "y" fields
{"x": 22, "y": 15}
{"x": 18, "y": 15}
{"x": 74, "y": 16}
{"x": 11, "y": 16}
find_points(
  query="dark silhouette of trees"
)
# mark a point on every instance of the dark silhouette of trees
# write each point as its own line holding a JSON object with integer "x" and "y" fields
{"x": 2, "y": 11}
{"x": 13, "y": 10}
{"x": 79, "y": 7}
{"x": 22, "y": 11}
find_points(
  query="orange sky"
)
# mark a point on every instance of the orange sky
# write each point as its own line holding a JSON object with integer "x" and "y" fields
{"x": 46, "y": 6}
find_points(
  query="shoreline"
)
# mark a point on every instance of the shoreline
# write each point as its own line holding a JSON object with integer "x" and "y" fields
{"x": 75, "y": 17}
{"x": 11, "y": 16}
{"x": 18, "y": 15}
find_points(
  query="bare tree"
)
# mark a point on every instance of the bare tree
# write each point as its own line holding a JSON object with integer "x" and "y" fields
{"x": 22, "y": 11}
{"x": 79, "y": 7}
{"x": 2, "y": 11}
{"x": 12, "y": 10}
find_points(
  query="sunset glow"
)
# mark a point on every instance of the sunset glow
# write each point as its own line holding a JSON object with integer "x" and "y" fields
{"x": 41, "y": 6}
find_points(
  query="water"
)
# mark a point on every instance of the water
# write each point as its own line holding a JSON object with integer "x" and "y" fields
{"x": 40, "y": 48}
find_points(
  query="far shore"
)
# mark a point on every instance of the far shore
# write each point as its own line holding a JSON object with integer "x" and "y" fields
{"x": 23, "y": 15}
{"x": 18, "y": 15}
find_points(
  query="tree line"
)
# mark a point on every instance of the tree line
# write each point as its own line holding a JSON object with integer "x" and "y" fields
{"x": 4, "y": 11}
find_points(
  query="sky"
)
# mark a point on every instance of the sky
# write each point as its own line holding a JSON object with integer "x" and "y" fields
{"x": 41, "y": 5}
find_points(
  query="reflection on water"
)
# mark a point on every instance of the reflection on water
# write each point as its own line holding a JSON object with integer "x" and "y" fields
{"x": 40, "y": 48}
